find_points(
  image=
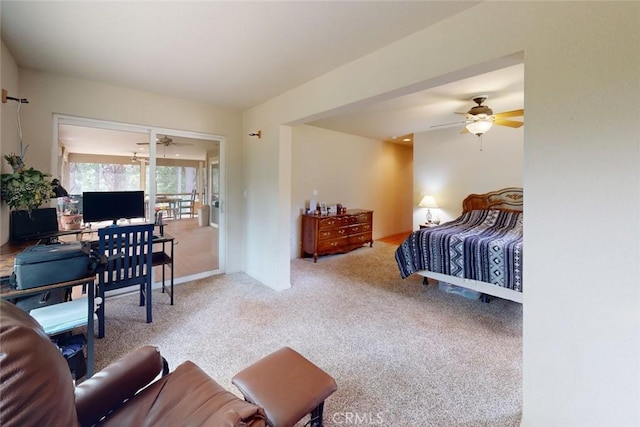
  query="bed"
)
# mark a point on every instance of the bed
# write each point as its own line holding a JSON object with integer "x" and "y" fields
{"x": 481, "y": 250}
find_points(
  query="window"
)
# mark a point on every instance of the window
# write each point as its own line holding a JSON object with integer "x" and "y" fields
{"x": 103, "y": 177}
{"x": 176, "y": 179}
{"x": 126, "y": 177}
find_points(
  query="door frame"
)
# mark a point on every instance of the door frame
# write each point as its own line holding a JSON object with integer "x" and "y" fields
{"x": 152, "y": 131}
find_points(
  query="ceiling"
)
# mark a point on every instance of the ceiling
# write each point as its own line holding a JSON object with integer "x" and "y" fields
{"x": 237, "y": 54}
{"x": 92, "y": 140}
{"x": 418, "y": 112}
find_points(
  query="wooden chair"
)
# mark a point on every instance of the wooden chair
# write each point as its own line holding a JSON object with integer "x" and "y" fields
{"x": 127, "y": 256}
{"x": 190, "y": 206}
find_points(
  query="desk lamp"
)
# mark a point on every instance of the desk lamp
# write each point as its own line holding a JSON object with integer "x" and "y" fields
{"x": 430, "y": 203}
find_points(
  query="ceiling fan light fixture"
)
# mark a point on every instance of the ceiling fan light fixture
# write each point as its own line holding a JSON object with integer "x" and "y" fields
{"x": 480, "y": 126}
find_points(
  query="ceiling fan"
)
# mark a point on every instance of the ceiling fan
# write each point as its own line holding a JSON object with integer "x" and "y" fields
{"x": 166, "y": 141}
{"x": 135, "y": 158}
{"x": 480, "y": 118}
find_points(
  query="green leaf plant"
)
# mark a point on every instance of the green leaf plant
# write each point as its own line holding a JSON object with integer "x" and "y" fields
{"x": 26, "y": 188}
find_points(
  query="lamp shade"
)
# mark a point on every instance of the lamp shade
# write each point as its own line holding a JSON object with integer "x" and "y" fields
{"x": 480, "y": 126}
{"x": 58, "y": 189}
{"x": 428, "y": 202}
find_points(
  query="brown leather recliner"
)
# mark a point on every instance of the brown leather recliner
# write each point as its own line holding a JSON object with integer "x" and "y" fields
{"x": 36, "y": 387}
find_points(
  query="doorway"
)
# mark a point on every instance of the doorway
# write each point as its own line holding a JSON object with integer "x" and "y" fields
{"x": 171, "y": 168}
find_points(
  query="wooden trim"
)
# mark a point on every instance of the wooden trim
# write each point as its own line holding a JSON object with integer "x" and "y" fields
{"x": 507, "y": 199}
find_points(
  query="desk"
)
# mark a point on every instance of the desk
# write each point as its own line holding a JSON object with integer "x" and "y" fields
{"x": 161, "y": 258}
{"x": 6, "y": 292}
{"x": 8, "y": 253}
{"x": 9, "y": 250}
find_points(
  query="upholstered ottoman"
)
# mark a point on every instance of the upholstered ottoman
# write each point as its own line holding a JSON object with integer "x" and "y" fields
{"x": 287, "y": 386}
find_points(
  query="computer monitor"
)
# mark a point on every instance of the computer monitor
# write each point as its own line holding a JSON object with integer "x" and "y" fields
{"x": 100, "y": 206}
{"x": 34, "y": 224}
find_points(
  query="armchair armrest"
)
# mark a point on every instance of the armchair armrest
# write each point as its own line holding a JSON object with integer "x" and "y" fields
{"x": 119, "y": 381}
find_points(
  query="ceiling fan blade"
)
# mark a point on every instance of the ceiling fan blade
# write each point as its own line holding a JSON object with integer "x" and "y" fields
{"x": 142, "y": 143}
{"x": 448, "y": 124}
{"x": 513, "y": 113}
{"x": 509, "y": 123}
{"x": 181, "y": 144}
{"x": 457, "y": 112}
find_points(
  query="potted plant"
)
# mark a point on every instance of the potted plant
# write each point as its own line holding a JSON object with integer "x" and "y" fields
{"x": 25, "y": 188}
{"x": 71, "y": 218}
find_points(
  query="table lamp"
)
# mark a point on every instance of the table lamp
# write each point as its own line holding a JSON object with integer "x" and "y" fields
{"x": 430, "y": 203}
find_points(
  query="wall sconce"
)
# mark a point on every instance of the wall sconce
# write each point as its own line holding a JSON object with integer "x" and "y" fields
{"x": 428, "y": 202}
{"x": 258, "y": 134}
{"x": 6, "y": 97}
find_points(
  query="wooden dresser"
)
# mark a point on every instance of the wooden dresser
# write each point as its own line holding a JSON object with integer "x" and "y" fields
{"x": 331, "y": 234}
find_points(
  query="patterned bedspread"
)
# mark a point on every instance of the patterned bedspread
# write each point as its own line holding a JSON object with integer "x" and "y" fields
{"x": 484, "y": 245}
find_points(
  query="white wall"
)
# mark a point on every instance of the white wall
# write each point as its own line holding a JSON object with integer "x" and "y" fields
{"x": 582, "y": 265}
{"x": 354, "y": 171}
{"x": 9, "y": 141}
{"x": 581, "y": 304}
{"x": 50, "y": 93}
{"x": 450, "y": 166}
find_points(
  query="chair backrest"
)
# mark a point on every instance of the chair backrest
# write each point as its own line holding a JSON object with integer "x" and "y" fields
{"x": 128, "y": 249}
{"x": 37, "y": 386}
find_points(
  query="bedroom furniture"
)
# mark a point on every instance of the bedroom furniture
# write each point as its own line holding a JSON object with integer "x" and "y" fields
{"x": 57, "y": 318}
{"x": 287, "y": 386}
{"x": 489, "y": 246}
{"x": 128, "y": 251}
{"x": 332, "y": 234}
{"x": 37, "y": 388}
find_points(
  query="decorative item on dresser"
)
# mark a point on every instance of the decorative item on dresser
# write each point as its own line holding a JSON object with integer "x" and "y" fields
{"x": 331, "y": 234}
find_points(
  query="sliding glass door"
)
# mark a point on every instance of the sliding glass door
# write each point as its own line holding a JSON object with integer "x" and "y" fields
{"x": 181, "y": 183}
{"x": 170, "y": 166}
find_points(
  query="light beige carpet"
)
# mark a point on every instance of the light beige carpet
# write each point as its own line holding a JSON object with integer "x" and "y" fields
{"x": 402, "y": 354}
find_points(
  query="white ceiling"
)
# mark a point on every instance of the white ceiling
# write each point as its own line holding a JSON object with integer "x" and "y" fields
{"x": 237, "y": 54}
{"x": 92, "y": 140}
{"x": 419, "y": 111}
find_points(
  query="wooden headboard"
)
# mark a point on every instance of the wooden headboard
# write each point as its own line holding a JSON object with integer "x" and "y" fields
{"x": 507, "y": 199}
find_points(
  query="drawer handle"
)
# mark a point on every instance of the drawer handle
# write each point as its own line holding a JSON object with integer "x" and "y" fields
{"x": 341, "y": 231}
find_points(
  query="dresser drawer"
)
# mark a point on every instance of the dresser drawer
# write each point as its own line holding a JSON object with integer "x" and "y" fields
{"x": 360, "y": 238}
{"x": 362, "y": 218}
{"x": 332, "y": 233}
{"x": 332, "y": 244}
{"x": 359, "y": 228}
{"x": 333, "y": 222}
